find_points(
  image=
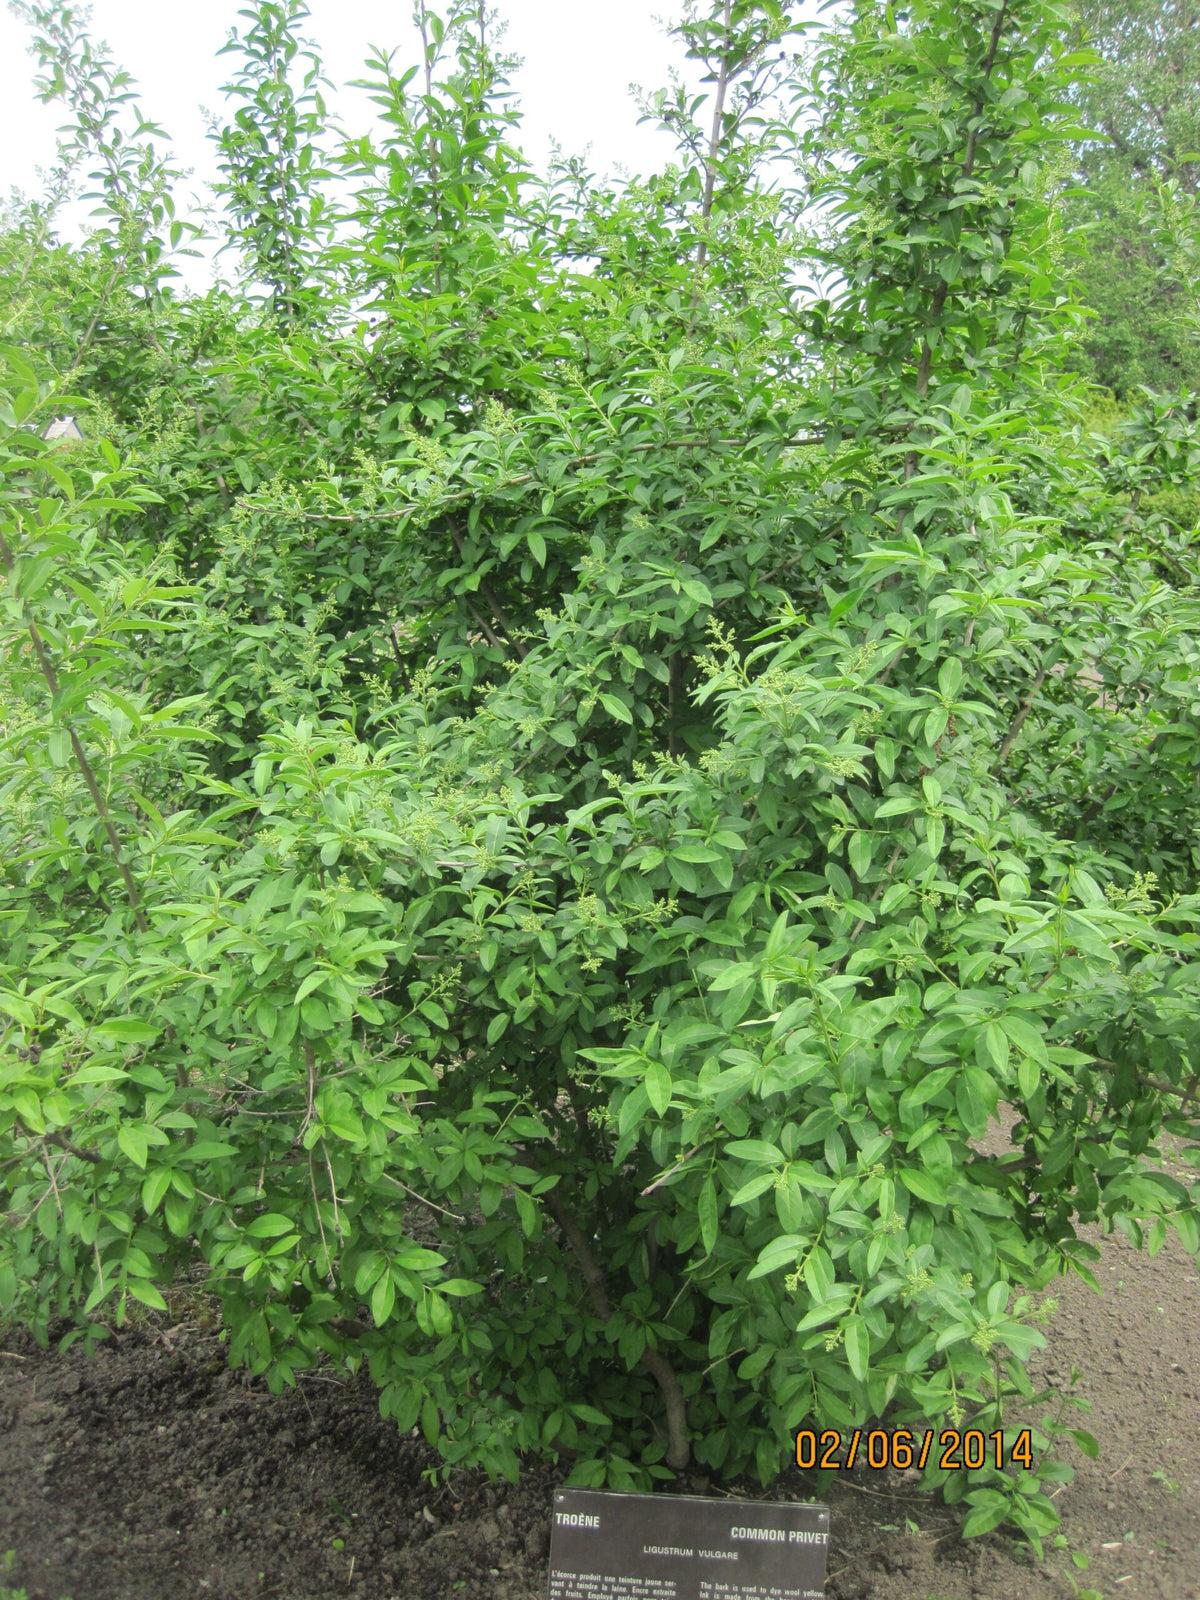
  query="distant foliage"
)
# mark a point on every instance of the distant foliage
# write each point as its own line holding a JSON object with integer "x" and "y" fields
{"x": 1139, "y": 168}
{"x": 568, "y": 752}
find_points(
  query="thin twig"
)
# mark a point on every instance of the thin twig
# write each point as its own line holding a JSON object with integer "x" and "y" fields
{"x": 739, "y": 1351}
{"x": 714, "y": 147}
{"x": 878, "y": 1494}
{"x": 883, "y": 677}
{"x": 50, "y": 1173}
{"x": 310, "y": 1065}
{"x": 1148, "y": 1081}
{"x": 92, "y": 325}
{"x": 61, "y": 1142}
{"x": 488, "y": 632}
{"x": 862, "y": 921}
{"x": 453, "y": 1215}
{"x": 1018, "y": 721}
{"x": 312, "y": 1181}
{"x": 337, "y": 1217}
{"x": 665, "y": 1177}
{"x": 891, "y": 867}
{"x": 498, "y": 611}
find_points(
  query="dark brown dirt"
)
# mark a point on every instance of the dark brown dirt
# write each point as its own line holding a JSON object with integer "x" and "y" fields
{"x": 152, "y": 1472}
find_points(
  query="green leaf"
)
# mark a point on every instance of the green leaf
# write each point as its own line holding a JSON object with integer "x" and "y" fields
{"x": 757, "y": 1151}
{"x": 859, "y": 852}
{"x": 1029, "y": 1076}
{"x": 440, "y": 1315}
{"x": 415, "y": 1258}
{"x": 658, "y": 1086}
{"x": 527, "y": 1213}
{"x": 146, "y": 1293}
{"x": 736, "y": 973}
{"x": 616, "y": 708}
{"x": 313, "y": 981}
{"x": 28, "y": 1106}
{"x": 751, "y": 1190}
{"x": 383, "y": 1299}
{"x": 989, "y": 1508}
{"x": 633, "y": 1109}
{"x": 819, "y": 1274}
{"x": 898, "y": 806}
{"x": 858, "y": 1346}
{"x": 133, "y": 1143}
{"x": 271, "y": 1225}
{"x": 209, "y": 1150}
{"x": 976, "y": 1096}
{"x": 706, "y": 1214}
{"x": 923, "y": 1185}
{"x": 590, "y": 1414}
{"x": 782, "y": 1252}
{"x": 178, "y": 1213}
{"x": 430, "y": 1422}
{"x": 993, "y": 1048}
{"x": 950, "y": 677}
{"x": 128, "y": 1030}
{"x": 156, "y": 1184}
{"x": 1025, "y": 1036}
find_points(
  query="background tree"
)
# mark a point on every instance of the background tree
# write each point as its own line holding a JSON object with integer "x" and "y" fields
{"x": 1138, "y": 184}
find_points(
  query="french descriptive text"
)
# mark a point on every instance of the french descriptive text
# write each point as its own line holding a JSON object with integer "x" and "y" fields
{"x": 597, "y": 1586}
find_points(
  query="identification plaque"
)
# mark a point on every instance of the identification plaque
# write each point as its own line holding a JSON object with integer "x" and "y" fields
{"x": 680, "y": 1547}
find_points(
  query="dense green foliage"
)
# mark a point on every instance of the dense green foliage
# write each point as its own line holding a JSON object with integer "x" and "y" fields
{"x": 1140, "y": 168}
{"x": 567, "y": 748}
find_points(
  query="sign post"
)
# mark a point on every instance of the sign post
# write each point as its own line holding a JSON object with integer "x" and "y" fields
{"x": 680, "y": 1547}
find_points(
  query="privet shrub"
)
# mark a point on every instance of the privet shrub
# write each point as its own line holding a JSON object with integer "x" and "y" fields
{"x": 569, "y": 751}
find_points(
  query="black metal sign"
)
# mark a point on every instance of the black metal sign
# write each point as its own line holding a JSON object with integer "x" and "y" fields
{"x": 679, "y": 1547}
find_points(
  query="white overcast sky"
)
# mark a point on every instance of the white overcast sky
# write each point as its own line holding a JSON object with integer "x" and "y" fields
{"x": 579, "y": 60}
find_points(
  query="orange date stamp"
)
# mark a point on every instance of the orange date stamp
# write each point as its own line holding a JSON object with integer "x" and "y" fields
{"x": 951, "y": 1449}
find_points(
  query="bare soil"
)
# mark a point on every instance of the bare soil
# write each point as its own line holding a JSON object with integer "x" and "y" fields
{"x": 153, "y": 1472}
